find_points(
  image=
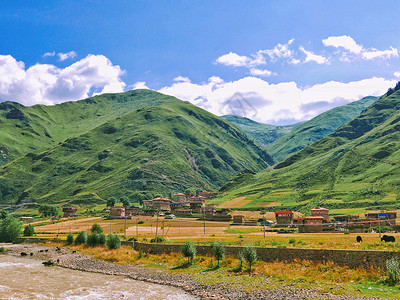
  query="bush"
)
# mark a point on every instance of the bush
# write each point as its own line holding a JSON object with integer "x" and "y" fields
{"x": 393, "y": 270}
{"x": 250, "y": 255}
{"x": 189, "y": 250}
{"x": 2, "y": 249}
{"x": 70, "y": 239}
{"x": 96, "y": 228}
{"x": 81, "y": 238}
{"x": 96, "y": 239}
{"x": 157, "y": 240}
{"x": 218, "y": 250}
{"x": 292, "y": 241}
{"x": 29, "y": 230}
{"x": 113, "y": 241}
{"x": 10, "y": 229}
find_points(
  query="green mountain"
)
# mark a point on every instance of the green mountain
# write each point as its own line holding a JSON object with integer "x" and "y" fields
{"x": 263, "y": 134}
{"x": 354, "y": 168}
{"x": 152, "y": 150}
{"x": 31, "y": 128}
{"x": 317, "y": 128}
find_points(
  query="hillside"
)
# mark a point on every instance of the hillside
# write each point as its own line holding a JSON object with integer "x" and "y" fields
{"x": 152, "y": 150}
{"x": 356, "y": 167}
{"x": 263, "y": 134}
{"x": 316, "y": 128}
{"x": 27, "y": 129}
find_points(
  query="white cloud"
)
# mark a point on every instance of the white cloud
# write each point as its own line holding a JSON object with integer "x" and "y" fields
{"x": 139, "y": 85}
{"x": 49, "y": 54}
{"x": 258, "y": 72}
{"x": 48, "y": 84}
{"x": 274, "y": 103}
{"x": 396, "y": 74}
{"x": 280, "y": 51}
{"x": 65, "y": 56}
{"x": 310, "y": 56}
{"x": 351, "y": 47}
{"x": 233, "y": 59}
{"x": 343, "y": 41}
{"x": 181, "y": 79}
{"x": 385, "y": 54}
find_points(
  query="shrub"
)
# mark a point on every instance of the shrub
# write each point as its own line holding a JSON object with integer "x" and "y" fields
{"x": 101, "y": 239}
{"x": 157, "y": 240}
{"x": 140, "y": 222}
{"x": 96, "y": 239}
{"x": 393, "y": 270}
{"x": 218, "y": 250}
{"x": 70, "y": 239}
{"x": 81, "y": 238}
{"x": 29, "y": 230}
{"x": 10, "y": 229}
{"x": 188, "y": 250}
{"x": 2, "y": 249}
{"x": 113, "y": 241}
{"x": 292, "y": 241}
{"x": 96, "y": 228}
{"x": 250, "y": 255}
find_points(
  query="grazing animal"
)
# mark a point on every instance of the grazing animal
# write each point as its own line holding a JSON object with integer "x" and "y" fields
{"x": 58, "y": 260}
{"x": 24, "y": 254}
{"x": 359, "y": 239}
{"x": 46, "y": 250}
{"x": 388, "y": 238}
{"x": 74, "y": 251}
{"x": 31, "y": 254}
{"x": 41, "y": 250}
{"x": 48, "y": 263}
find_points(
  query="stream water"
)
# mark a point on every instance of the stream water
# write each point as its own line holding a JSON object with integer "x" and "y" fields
{"x": 24, "y": 278}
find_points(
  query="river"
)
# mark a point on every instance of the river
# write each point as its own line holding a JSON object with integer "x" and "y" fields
{"x": 24, "y": 278}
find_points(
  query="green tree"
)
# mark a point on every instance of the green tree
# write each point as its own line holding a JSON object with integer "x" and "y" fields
{"x": 70, "y": 239}
{"x": 218, "y": 250}
{"x": 189, "y": 250}
{"x": 113, "y": 241}
{"x": 10, "y": 229}
{"x": 81, "y": 238}
{"x": 96, "y": 228}
{"x": 48, "y": 210}
{"x": 250, "y": 255}
{"x": 111, "y": 201}
{"x": 125, "y": 201}
{"x": 29, "y": 230}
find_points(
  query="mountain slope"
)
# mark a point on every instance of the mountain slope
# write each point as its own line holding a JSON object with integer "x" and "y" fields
{"x": 31, "y": 128}
{"x": 317, "y": 128}
{"x": 151, "y": 150}
{"x": 263, "y": 134}
{"x": 357, "y": 166}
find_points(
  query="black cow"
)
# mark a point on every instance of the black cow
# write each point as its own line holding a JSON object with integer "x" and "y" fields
{"x": 48, "y": 263}
{"x": 388, "y": 238}
{"x": 359, "y": 239}
{"x": 24, "y": 254}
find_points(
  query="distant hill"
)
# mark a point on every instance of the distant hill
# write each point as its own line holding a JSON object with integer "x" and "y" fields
{"x": 263, "y": 134}
{"x": 355, "y": 167}
{"x": 151, "y": 150}
{"x": 317, "y": 128}
{"x": 30, "y": 128}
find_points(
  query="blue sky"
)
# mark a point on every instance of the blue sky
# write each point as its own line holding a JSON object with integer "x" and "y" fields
{"x": 290, "y": 59}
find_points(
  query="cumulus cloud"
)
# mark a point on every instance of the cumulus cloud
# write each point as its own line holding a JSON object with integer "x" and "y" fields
{"x": 280, "y": 103}
{"x": 279, "y": 51}
{"x": 258, "y": 72}
{"x": 351, "y": 47}
{"x": 310, "y": 56}
{"x": 139, "y": 85}
{"x": 65, "y": 56}
{"x": 233, "y": 59}
{"x": 49, "y": 54}
{"x": 396, "y": 74}
{"x": 343, "y": 41}
{"x": 48, "y": 84}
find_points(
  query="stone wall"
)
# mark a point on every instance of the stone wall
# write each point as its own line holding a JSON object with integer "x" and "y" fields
{"x": 351, "y": 258}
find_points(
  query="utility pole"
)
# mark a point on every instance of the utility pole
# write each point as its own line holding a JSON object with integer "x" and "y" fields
{"x": 157, "y": 227}
{"x": 264, "y": 224}
{"x": 163, "y": 228}
{"x": 125, "y": 228}
{"x": 137, "y": 228}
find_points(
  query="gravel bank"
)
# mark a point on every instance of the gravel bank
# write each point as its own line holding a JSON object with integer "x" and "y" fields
{"x": 64, "y": 257}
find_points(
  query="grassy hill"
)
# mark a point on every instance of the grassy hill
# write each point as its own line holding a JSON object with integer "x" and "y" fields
{"x": 263, "y": 134}
{"x": 353, "y": 169}
{"x": 151, "y": 150}
{"x": 315, "y": 129}
{"x": 27, "y": 129}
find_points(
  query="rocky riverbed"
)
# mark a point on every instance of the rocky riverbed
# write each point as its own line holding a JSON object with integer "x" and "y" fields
{"x": 66, "y": 258}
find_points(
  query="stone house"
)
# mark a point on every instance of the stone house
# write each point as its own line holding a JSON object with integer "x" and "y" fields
{"x": 320, "y": 211}
{"x": 69, "y": 211}
{"x": 117, "y": 212}
{"x": 310, "y": 224}
{"x": 284, "y": 218}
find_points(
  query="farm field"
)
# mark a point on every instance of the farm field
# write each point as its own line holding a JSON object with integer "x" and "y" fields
{"x": 180, "y": 229}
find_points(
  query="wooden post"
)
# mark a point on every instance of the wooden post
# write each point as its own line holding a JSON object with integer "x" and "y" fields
{"x": 125, "y": 228}
{"x": 137, "y": 229}
{"x": 157, "y": 227}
